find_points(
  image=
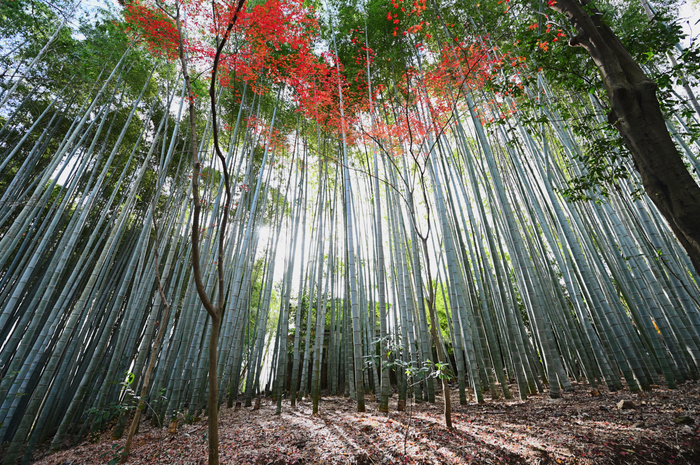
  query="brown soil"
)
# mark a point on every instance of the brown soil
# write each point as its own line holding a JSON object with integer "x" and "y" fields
{"x": 578, "y": 428}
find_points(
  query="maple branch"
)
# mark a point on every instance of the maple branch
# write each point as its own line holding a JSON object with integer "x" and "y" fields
{"x": 162, "y": 8}
{"x": 439, "y": 132}
{"x": 215, "y": 132}
{"x": 384, "y": 181}
{"x": 197, "y": 203}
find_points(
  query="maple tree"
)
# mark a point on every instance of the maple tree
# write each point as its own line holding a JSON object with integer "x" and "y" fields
{"x": 273, "y": 46}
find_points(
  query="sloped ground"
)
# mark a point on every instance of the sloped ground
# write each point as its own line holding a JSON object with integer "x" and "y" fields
{"x": 578, "y": 428}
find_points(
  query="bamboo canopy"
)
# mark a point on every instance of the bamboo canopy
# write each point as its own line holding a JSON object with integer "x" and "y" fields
{"x": 390, "y": 233}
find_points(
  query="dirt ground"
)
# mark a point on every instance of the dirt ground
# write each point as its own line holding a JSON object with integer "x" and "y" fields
{"x": 662, "y": 426}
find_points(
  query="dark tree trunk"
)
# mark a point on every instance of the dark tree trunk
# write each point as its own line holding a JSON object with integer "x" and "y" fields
{"x": 636, "y": 114}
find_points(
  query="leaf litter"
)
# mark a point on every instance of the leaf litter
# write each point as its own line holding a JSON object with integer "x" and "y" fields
{"x": 585, "y": 426}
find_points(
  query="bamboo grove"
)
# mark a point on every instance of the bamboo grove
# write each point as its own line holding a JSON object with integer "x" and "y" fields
{"x": 397, "y": 220}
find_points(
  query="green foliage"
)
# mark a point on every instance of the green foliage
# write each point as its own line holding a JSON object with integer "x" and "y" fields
{"x": 415, "y": 372}
{"x": 101, "y": 417}
{"x": 66, "y": 78}
{"x": 187, "y": 417}
{"x": 441, "y": 307}
{"x": 116, "y": 454}
{"x": 541, "y": 37}
{"x": 602, "y": 156}
{"x": 363, "y": 31}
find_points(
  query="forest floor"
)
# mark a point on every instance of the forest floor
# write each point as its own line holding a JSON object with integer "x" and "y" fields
{"x": 578, "y": 428}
